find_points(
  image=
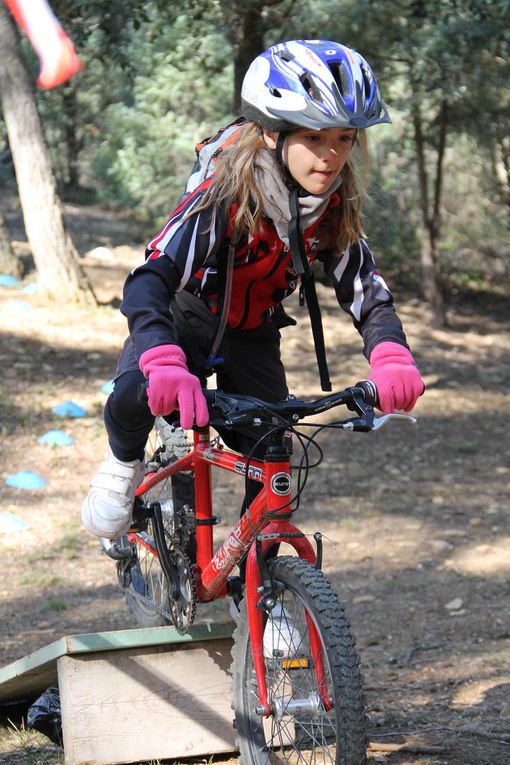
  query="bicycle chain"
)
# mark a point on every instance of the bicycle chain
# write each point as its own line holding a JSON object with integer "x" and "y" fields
{"x": 149, "y": 603}
{"x": 169, "y": 615}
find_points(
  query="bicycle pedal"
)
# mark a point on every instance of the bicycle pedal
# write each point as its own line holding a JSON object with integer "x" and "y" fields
{"x": 138, "y": 524}
{"x": 235, "y": 589}
{"x": 115, "y": 550}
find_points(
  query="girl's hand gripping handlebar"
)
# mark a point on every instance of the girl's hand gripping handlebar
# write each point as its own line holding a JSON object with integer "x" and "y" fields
{"x": 396, "y": 376}
{"x": 172, "y": 386}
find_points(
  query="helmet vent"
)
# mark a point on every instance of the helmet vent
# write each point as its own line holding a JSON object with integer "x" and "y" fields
{"x": 340, "y": 78}
{"x": 286, "y": 55}
{"x": 310, "y": 87}
{"x": 275, "y": 92}
{"x": 366, "y": 81}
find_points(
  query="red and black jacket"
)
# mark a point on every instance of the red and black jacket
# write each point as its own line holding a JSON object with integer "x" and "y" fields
{"x": 188, "y": 252}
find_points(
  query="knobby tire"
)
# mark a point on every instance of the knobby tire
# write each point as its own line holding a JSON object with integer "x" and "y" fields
{"x": 309, "y": 733}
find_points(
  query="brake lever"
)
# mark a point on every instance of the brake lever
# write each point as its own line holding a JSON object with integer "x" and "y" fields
{"x": 379, "y": 422}
{"x": 244, "y": 418}
{"x": 231, "y": 419}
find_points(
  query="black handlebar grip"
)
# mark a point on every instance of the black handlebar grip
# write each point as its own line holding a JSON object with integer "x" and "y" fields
{"x": 369, "y": 392}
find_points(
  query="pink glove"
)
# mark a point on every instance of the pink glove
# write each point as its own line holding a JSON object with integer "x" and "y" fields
{"x": 396, "y": 377}
{"x": 171, "y": 386}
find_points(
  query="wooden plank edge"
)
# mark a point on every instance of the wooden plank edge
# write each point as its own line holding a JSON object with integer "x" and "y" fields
{"x": 38, "y": 662}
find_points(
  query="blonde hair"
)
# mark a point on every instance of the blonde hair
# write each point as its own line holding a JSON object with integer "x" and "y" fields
{"x": 234, "y": 183}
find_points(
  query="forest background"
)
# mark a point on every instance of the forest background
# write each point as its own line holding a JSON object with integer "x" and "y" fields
{"x": 161, "y": 76}
{"x": 419, "y": 519}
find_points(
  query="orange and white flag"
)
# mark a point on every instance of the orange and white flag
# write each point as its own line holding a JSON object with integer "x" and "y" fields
{"x": 57, "y": 57}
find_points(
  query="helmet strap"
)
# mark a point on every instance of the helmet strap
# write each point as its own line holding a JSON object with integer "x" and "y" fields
{"x": 290, "y": 181}
{"x": 302, "y": 268}
{"x": 280, "y": 141}
{"x": 300, "y": 262}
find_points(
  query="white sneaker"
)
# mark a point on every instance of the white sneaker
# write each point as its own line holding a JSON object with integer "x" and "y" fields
{"x": 108, "y": 507}
{"x": 281, "y": 636}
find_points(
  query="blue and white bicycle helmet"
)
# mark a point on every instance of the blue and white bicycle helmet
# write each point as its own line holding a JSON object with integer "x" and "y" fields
{"x": 313, "y": 84}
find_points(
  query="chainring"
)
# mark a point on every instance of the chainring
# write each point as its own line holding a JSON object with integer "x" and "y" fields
{"x": 182, "y": 609}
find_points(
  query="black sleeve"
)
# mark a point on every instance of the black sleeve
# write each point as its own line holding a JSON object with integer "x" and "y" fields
{"x": 183, "y": 246}
{"x": 362, "y": 292}
{"x": 146, "y": 304}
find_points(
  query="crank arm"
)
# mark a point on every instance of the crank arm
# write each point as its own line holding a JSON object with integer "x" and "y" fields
{"x": 169, "y": 570}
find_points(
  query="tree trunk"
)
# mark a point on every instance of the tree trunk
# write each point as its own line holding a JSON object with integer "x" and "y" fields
{"x": 9, "y": 263}
{"x": 245, "y": 27}
{"x": 431, "y": 289}
{"x": 55, "y": 258}
{"x": 500, "y": 155}
{"x": 430, "y": 227}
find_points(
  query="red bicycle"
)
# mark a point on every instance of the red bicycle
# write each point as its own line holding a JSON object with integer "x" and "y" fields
{"x": 297, "y": 685}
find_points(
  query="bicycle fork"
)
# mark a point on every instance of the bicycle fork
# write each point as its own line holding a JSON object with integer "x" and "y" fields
{"x": 260, "y": 594}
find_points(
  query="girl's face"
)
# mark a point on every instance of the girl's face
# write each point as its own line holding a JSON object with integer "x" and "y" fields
{"x": 315, "y": 157}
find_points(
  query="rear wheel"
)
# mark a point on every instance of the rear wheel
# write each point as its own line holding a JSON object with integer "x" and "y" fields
{"x": 147, "y": 588}
{"x": 143, "y": 579}
{"x": 315, "y": 694}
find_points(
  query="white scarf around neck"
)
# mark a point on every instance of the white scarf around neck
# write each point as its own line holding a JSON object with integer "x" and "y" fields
{"x": 275, "y": 196}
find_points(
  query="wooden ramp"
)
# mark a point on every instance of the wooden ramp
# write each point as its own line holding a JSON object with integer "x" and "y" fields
{"x": 134, "y": 695}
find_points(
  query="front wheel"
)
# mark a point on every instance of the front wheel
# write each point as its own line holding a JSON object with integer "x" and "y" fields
{"x": 314, "y": 686}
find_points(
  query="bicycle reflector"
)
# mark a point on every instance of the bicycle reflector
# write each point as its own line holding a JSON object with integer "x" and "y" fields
{"x": 295, "y": 663}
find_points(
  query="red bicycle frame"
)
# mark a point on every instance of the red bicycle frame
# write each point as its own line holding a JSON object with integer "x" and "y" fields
{"x": 213, "y": 569}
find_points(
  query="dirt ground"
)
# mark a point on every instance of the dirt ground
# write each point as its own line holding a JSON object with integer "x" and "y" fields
{"x": 416, "y": 518}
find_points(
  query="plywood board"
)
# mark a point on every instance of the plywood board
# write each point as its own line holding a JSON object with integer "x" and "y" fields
{"x": 142, "y": 704}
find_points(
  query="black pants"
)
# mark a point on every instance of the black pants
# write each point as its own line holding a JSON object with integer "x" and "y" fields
{"x": 251, "y": 366}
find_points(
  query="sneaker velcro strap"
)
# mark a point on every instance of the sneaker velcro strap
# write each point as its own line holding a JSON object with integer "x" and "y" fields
{"x": 114, "y": 477}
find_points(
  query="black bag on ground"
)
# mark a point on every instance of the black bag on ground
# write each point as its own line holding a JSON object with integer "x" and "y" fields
{"x": 45, "y": 715}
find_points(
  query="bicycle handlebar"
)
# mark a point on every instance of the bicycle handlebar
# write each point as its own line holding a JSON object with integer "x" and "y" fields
{"x": 231, "y": 410}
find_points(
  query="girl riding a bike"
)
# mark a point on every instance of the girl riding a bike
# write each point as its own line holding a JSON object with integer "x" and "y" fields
{"x": 283, "y": 194}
